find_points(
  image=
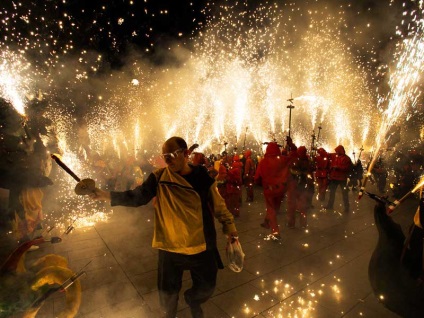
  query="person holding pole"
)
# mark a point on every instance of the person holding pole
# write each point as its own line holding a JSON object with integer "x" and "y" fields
{"x": 187, "y": 200}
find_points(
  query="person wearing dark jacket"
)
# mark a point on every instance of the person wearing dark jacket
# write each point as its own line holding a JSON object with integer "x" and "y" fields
{"x": 340, "y": 168}
{"x": 234, "y": 183}
{"x": 187, "y": 200}
{"x": 301, "y": 180}
{"x": 249, "y": 175}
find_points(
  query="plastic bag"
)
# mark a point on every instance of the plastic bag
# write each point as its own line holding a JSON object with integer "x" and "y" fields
{"x": 235, "y": 256}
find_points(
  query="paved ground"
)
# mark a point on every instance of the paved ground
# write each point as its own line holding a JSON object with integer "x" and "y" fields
{"x": 317, "y": 272}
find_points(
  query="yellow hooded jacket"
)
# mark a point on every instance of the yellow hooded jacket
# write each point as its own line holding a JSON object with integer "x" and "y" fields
{"x": 179, "y": 220}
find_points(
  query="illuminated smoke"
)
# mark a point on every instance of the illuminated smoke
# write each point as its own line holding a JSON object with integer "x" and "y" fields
{"x": 403, "y": 83}
{"x": 237, "y": 71}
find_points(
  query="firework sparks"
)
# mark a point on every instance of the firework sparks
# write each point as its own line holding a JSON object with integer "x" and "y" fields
{"x": 236, "y": 71}
{"x": 15, "y": 82}
{"x": 403, "y": 87}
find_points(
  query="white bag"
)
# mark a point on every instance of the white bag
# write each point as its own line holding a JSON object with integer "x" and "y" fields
{"x": 235, "y": 256}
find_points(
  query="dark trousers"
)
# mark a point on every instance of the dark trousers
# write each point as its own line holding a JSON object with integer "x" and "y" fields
{"x": 333, "y": 187}
{"x": 203, "y": 268}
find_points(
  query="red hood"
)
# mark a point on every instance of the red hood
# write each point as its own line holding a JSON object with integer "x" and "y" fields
{"x": 247, "y": 153}
{"x": 301, "y": 152}
{"x": 322, "y": 152}
{"x": 340, "y": 150}
{"x": 272, "y": 149}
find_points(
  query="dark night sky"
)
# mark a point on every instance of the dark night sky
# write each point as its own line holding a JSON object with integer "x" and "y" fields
{"x": 95, "y": 24}
{"x": 146, "y": 24}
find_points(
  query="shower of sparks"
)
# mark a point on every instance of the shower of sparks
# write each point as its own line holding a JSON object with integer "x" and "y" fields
{"x": 248, "y": 82}
{"x": 419, "y": 185}
{"x": 237, "y": 70}
{"x": 403, "y": 83}
{"x": 15, "y": 80}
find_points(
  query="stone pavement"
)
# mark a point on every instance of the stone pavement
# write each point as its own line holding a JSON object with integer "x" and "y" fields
{"x": 321, "y": 271}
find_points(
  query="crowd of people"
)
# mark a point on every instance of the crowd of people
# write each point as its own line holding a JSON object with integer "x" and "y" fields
{"x": 190, "y": 189}
{"x": 295, "y": 174}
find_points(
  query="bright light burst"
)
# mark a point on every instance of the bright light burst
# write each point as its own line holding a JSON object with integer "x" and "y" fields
{"x": 15, "y": 79}
{"x": 403, "y": 83}
{"x": 241, "y": 74}
{"x": 232, "y": 78}
{"x": 419, "y": 185}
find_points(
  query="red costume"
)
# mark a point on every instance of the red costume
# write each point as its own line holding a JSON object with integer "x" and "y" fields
{"x": 340, "y": 164}
{"x": 221, "y": 178}
{"x": 234, "y": 183}
{"x": 300, "y": 184}
{"x": 322, "y": 165}
{"x": 271, "y": 173}
{"x": 249, "y": 175}
{"x": 198, "y": 158}
{"x": 340, "y": 168}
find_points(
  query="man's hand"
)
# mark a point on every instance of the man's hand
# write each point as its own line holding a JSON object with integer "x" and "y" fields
{"x": 233, "y": 236}
{"x": 100, "y": 195}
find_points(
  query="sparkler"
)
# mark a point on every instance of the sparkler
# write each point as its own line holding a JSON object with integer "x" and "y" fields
{"x": 225, "y": 146}
{"x": 378, "y": 198}
{"x": 396, "y": 203}
{"x": 360, "y": 152}
{"x": 403, "y": 83}
{"x": 290, "y": 107}
{"x": 61, "y": 288}
{"x": 65, "y": 167}
{"x": 313, "y": 148}
{"x": 83, "y": 187}
{"x": 319, "y": 132}
{"x": 13, "y": 83}
{"x": 70, "y": 227}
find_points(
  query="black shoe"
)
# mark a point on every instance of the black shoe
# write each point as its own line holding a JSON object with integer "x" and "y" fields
{"x": 196, "y": 312}
{"x": 329, "y": 207}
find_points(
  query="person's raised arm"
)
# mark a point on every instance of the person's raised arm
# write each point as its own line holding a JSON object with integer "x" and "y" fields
{"x": 141, "y": 195}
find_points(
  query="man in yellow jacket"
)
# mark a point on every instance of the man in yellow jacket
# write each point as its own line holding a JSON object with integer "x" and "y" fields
{"x": 184, "y": 230}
